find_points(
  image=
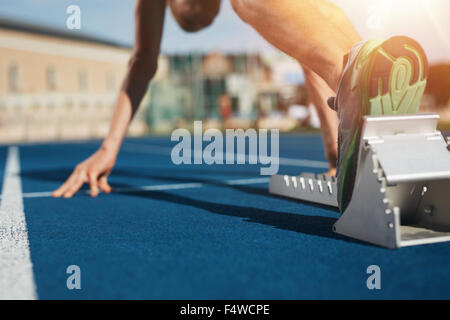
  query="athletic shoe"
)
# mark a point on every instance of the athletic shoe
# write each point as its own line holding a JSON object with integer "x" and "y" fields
{"x": 380, "y": 78}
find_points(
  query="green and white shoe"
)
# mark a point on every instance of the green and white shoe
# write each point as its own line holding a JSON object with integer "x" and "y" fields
{"x": 380, "y": 78}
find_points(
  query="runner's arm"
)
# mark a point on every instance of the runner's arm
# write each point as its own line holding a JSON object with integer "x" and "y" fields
{"x": 149, "y": 20}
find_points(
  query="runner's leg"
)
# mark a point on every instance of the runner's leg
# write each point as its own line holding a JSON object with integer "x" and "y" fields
{"x": 319, "y": 92}
{"x": 315, "y": 32}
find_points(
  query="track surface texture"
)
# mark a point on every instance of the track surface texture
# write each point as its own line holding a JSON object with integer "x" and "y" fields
{"x": 199, "y": 232}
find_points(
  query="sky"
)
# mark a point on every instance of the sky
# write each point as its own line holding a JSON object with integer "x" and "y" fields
{"x": 425, "y": 20}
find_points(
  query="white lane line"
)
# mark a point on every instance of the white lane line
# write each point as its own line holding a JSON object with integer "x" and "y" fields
{"x": 304, "y": 163}
{"x": 16, "y": 269}
{"x": 160, "y": 187}
{"x": 144, "y": 148}
{"x": 35, "y": 194}
{"x": 247, "y": 181}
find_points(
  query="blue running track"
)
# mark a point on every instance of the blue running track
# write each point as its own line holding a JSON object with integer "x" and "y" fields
{"x": 207, "y": 238}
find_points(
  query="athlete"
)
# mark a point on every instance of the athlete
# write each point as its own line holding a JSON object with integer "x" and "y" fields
{"x": 375, "y": 77}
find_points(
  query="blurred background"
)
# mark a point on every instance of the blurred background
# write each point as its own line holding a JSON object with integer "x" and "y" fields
{"x": 60, "y": 84}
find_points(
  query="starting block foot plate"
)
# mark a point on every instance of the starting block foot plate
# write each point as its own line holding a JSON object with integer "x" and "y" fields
{"x": 400, "y": 197}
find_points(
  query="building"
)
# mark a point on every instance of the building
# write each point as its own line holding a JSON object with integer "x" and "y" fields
{"x": 191, "y": 86}
{"x": 58, "y": 84}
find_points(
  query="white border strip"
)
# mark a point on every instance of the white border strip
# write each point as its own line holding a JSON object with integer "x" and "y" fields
{"x": 16, "y": 269}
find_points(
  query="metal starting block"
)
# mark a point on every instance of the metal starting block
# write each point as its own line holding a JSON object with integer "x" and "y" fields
{"x": 401, "y": 195}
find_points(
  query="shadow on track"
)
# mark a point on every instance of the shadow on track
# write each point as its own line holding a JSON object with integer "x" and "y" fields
{"x": 307, "y": 224}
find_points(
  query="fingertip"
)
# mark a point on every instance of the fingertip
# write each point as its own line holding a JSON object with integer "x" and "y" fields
{"x": 58, "y": 192}
{"x": 104, "y": 186}
{"x": 94, "y": 192}
{"x": 106, "y": 189}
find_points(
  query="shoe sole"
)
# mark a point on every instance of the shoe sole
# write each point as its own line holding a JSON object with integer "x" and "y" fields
{"x": 393, "y": 82}
{"x": 396, "y": 78}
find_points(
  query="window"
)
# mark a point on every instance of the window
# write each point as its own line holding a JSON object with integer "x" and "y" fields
{"x": 83, "y": 80}
{"x": 51, "y": 79}
{"x": 13, "y": 78}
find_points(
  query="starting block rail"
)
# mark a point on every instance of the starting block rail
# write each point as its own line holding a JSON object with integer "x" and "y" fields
{"x": 307, "y": 187}
{"x": 401, "y": 193}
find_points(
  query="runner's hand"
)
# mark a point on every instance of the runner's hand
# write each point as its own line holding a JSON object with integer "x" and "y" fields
{"x": 94, "y": 171}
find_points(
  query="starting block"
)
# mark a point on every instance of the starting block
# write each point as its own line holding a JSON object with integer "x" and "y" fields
{"x": 401, "y": 195}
